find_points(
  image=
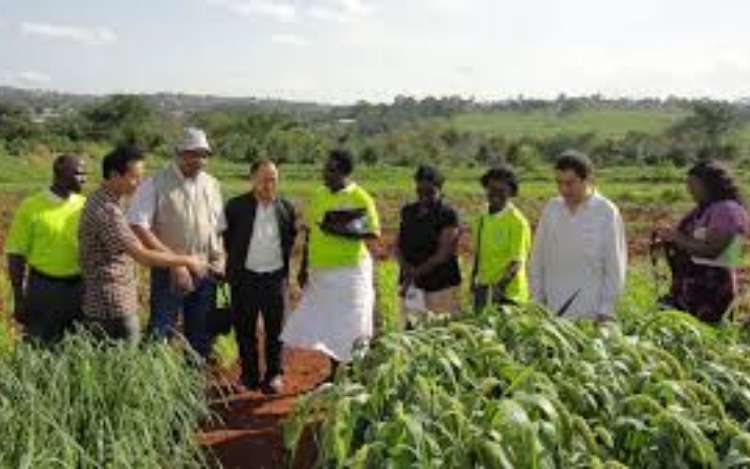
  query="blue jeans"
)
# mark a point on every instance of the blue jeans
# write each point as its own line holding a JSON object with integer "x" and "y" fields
{"x": 196, "y": 306}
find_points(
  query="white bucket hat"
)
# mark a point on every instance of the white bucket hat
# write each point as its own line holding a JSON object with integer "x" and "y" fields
{"x": 193, "y": 139}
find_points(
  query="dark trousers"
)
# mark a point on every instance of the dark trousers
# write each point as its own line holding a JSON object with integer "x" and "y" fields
{"x": 126, "y": 328}
{"x": 52, "y": 306}
{"x": 167, "y": 301}
{"x": 252, "y": 294}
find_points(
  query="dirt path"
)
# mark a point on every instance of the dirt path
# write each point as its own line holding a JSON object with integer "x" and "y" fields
{"x": 250, "y": 436}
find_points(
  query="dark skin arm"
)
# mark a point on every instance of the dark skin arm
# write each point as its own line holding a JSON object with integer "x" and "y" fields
{"x": 398, "y": 255}
{"x": 17, "y": 274}
{"x": 711, "y": 247}
{"x": 405, "y": 268}
{"x": 447, "y": 244}
{"x": 510, "y": 272}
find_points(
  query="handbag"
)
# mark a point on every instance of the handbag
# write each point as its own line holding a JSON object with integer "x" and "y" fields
{"x": 414, "y": 300}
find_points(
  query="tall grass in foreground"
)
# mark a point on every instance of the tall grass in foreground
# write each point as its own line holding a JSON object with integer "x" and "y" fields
{"x": 91, "y": 406}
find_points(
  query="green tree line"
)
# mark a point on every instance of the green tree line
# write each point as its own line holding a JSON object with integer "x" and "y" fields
{"x": 406, "y": 132}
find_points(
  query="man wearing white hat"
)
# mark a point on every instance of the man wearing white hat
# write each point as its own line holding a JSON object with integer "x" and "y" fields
{"x": 180, "y": 210}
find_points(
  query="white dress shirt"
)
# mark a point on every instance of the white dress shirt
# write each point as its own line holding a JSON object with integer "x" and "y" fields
{"x": 264, "y": 252}
{"x": 583, "y": 252}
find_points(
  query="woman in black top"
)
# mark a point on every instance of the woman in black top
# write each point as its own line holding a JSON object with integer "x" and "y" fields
{"x": 427, "y": 243}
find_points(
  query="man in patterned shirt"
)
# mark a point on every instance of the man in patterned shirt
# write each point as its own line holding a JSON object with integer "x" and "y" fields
{"x": 108, "y": 247}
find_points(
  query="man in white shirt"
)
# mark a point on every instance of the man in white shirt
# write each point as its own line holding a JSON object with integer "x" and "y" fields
{"x": 180, "y": 210}
{"x": 260, "y": 234}
{"x": 579, "y": 258}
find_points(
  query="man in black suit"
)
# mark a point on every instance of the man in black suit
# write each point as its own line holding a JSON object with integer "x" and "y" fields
{"x": 260, "y": 234}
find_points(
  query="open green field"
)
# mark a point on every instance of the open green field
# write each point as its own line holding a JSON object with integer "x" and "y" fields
{"x": 605, "y": 122}
{"x": 645, "y": 195}
{"x": 602, "y": 122}
{"x": 640, "y": 192}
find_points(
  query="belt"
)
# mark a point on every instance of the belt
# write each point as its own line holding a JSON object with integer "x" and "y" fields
{"x": 70, "y": 279}
{"x": 272, "y": 274}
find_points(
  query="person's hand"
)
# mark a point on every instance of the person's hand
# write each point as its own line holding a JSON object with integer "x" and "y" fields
{"x": 667, "y": 234}
{"x": 197, "y": 267}
{"x": 182, "y": 280}
{"x": 498, "y": 290}
{"x": 302, "y": 278}
{"x": 408, "y": 273}
{"x": 402, "y": 288}
{"x": 407, "y": 278}
{"x": 216, "y": 272}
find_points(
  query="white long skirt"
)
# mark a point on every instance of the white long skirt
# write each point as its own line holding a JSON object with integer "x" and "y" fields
{"x": 335, "y": 312}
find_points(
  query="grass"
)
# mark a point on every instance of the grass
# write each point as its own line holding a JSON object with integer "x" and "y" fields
{"x": 89, "y": 405}
{"x": 604, "y": 122}
{"x": 387, "y": 303}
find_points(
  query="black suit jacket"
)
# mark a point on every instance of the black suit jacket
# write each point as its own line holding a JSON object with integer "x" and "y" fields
{"x": 240, "y": 216}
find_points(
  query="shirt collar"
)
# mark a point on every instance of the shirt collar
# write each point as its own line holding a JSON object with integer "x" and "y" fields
{"x": 269, "y": 207}
{"x": 583, "y": 206}
{"x": 110, "y": 195}
{"x": 261, "y": 204}
{"x": 508, "y": 207}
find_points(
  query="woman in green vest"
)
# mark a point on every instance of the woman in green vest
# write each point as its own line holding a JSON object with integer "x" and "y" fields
{"x": 502, "y": 242}
{"x": 336, "y": 310}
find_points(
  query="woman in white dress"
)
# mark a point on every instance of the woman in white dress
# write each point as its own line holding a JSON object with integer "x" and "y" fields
{"x": 336, "y": 310}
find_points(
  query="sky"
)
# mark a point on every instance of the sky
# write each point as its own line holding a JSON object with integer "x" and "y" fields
{"x": 341, "y": 51}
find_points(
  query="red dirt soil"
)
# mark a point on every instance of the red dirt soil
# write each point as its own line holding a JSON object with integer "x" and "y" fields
{"x": 250, "y": 435}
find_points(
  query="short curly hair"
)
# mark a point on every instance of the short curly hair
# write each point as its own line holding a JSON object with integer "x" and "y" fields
{"x": 430, "y": 174}
{"x": 344, "y": 160}
{"x": 501, "y": 173}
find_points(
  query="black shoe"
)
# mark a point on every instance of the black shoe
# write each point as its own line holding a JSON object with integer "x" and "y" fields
{"x": 273, "y": 386}
{"x": 249, "y": 385}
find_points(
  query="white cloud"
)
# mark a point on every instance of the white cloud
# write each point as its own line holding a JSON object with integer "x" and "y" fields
{"x": 341, "y": 11}
{"x": 91, "y": 36}
{"x": 282, "y": 11}
{"x": 355, "y": 7}
{"x": 466, "y": 70}
{"x": 289, "y": 39}
{"x": 32, "y": 78}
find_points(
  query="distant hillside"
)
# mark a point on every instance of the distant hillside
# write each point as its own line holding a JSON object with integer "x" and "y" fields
{"x": 451, "y": 129}
{"x": 402, "y": 107}
{"x": 173, "y": 103}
